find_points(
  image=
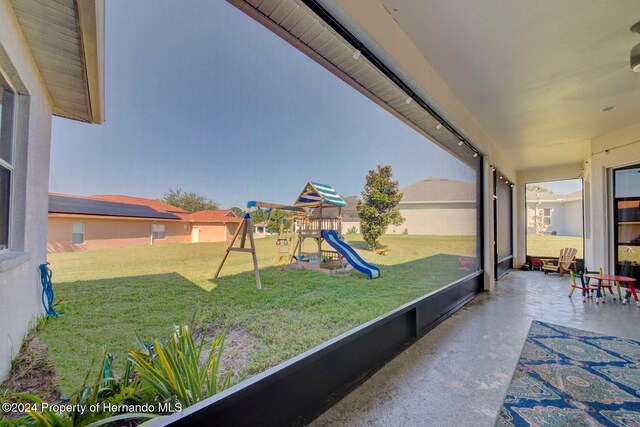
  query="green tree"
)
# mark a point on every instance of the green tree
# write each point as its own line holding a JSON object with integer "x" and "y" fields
{"x": 538, "y": 189}
{"x": 257, "y": 216}
{"x": 237, "y": 211}
{"x": 188, "y": 200}
{"x": 275, "y": 219}
{"x": 378, "y": 207}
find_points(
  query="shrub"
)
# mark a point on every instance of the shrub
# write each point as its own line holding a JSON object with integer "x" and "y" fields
{"x": 178, "y": 370}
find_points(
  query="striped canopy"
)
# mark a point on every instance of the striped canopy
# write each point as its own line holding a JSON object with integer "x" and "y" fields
{"x": 315, "y": 193}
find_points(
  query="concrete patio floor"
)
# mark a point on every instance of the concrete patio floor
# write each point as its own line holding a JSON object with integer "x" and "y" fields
{"x": 458, "y": 374}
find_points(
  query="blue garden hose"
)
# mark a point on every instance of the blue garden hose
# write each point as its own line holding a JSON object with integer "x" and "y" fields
{"x": 47, "y": 290}
{"x": 106, "y": 373}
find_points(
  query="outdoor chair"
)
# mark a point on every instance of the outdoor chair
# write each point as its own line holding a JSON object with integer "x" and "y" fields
{"x": 584, "y": 287}
{"x": 588, "y": 288}
{"x": 566, "y": 262}
{"x": 593, "y": 287}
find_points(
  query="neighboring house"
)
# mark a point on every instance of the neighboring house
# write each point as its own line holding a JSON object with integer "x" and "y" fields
{"x": 433, "y": 206}
{"x": 51, "y": 63}
{"x": 350, "y": 218}
{"x": 212, "y": 225}
{"x": 260, "y": 229}
{"x": 97, "y": 222}
{"x": 555, "y": 214}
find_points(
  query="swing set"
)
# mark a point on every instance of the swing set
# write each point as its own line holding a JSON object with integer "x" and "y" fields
{"x": 245, "y": 232}
{"x": 318, "y": 217}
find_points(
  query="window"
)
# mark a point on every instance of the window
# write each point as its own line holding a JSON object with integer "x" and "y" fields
{"x": 158, "y": 231}
{"x": 77, "y": 236}
{"x": 547, "y": 216}
{"x": 6, "y": 162}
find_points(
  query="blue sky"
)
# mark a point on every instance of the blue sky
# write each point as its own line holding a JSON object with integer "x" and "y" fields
{"x": 201, "y": 97}
{"x": 565, "y": 186}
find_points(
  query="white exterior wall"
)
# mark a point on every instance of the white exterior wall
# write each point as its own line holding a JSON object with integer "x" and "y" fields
{"x": 614, "y": 150}
{"x": 557, "y": 220}
{"x": 437, "y": 219}
{"x": 566, "y": 217}
{"x": 573, "y": 218}
{"x": 19, "y": 280}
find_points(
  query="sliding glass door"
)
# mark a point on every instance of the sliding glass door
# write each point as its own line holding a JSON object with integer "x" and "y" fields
{"x": 626, "y": 206}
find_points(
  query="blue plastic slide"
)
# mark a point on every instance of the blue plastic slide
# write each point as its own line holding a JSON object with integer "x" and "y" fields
{"x": 352, "y": 257}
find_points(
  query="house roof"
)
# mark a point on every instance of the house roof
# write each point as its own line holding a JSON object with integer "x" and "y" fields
{"x": 153, "y": 204}
{"x": 431, "y": 189}
{"x": 349, "y": 212}
{"x": 77, "y": 205}
{"x": 435, "y": 189}
{"x": 129, "y": 206}
{"x": 211, "y": 215}
{"x": 543, "y": 196}
{"x": 315, "y": 193}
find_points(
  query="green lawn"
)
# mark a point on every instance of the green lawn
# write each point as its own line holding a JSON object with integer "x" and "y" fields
{"x": 629, "y": 253}
{"x": 549, "y": 246}
{"x": 109, "y": 295}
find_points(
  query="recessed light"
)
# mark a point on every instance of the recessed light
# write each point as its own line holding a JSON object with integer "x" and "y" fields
{"x": 609, "y": 108}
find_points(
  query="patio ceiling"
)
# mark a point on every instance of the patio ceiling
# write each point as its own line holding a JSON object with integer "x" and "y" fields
{"x": 536, "y": 75}
{"x": 297, "y": 24}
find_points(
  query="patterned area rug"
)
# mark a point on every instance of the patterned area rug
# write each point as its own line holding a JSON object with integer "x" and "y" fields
{"x": 570, "y": 377}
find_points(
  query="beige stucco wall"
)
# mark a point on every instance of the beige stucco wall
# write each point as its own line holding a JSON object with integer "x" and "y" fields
{"x": 176, "y": 232}
{"x": 436, "y": 219}
{"x": 346, "y": 225}
{"x": 211, "y": 232}
{"x": 19, "y": 280}
{"x": 104, "y": 233}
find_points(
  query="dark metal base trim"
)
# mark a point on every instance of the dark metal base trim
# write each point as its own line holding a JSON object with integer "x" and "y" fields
{"x": 298, "y": 390}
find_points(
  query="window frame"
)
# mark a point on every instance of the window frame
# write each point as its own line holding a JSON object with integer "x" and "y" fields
{"x": 154, "y": 231}
{"x": 9, "y": 165}
{"x": 73, "y": 233}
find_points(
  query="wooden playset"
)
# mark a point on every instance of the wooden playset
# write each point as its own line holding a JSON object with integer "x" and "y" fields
{"x": 317, "y": 219}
